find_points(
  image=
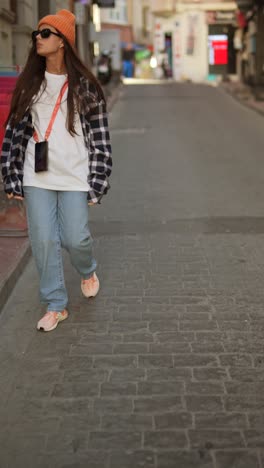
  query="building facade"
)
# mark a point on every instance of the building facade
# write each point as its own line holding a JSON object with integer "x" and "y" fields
{"x": 7, "y": 18}
{"x": 17, "y": 20}
{"x": 115, "y": 30}
{"x": 196, "y": 36}
{"x": 118, "y": 18}
{"x": 19, "y": 17}
{"x": 250, "y": 41}
{"x": 143, "y": 22}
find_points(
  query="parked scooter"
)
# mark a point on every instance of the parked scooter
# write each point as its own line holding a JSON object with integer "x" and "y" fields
{"x": 104, "y": 67}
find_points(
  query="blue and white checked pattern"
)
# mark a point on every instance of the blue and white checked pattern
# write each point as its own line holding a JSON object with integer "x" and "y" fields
{"x": 94, "y": 121}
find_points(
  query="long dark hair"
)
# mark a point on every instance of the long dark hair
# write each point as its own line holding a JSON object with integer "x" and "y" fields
{"x": 33, "y": 75}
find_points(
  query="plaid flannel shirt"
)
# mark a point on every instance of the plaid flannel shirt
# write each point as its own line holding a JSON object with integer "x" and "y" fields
{"x": 96, "y": 138}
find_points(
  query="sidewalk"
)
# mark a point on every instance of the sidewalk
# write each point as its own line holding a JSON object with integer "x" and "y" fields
{"x": 244, "y": 94}
{"x": 14, "y": 243}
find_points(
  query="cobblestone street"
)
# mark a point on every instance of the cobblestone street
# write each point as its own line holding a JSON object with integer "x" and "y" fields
{"x": 165, "y": 368}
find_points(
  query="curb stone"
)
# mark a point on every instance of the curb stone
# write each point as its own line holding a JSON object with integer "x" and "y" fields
{"x": 244, "y": 102}
{"x": 17, "y": 266}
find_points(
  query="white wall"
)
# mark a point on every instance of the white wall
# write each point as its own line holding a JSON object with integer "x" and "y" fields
{"x": 192, "y": 66}
{"x": 117, "y": 15}
{"x": 195, "y": 64}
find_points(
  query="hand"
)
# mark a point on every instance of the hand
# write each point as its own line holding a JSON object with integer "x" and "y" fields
{"x": 91, "y": 204}
{"x": 16, "y": 197}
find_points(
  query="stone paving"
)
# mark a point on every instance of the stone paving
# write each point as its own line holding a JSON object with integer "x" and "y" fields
{"x": 165, "y": 368}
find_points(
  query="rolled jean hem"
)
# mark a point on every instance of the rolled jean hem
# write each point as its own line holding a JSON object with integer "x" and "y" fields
{"x": 49, "y": 309}
{"x": 86, "y": 277}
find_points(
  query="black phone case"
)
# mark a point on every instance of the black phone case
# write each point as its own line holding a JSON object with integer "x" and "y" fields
{"x": 41, "y": 156}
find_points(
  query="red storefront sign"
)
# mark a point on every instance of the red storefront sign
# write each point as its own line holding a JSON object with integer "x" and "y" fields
{"x": 218, "y": 49}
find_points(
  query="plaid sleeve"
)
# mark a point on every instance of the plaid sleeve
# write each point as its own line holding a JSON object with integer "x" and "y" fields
{"x": 12, "y": 155}
{"x": 100, "y": 160}
{"x": 10, "y": 180}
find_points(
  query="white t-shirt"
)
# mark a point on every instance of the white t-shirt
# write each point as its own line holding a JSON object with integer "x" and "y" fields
{"x": 67, "y": 155}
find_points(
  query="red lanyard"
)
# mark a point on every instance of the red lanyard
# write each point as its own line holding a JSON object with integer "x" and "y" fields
{"x": 54, "y": 113}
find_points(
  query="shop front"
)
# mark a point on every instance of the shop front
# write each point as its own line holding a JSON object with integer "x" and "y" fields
{"x": 199, "y": 44}
{"x": 250, "y": 44}
{"x": 221, "y": 51}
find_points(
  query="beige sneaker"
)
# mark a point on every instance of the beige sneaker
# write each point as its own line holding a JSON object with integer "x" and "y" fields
{"x": 51, "y": 319}
{"x": 90, "y": 287}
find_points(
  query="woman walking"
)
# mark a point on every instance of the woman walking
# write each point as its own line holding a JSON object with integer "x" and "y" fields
{"x": 57, "y": 155}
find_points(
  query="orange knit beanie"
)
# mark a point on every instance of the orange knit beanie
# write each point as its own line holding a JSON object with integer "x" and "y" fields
{"x": 64, "y": 22}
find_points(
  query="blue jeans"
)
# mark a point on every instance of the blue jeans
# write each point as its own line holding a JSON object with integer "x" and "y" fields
{"x": 128, "y": 69}
{"x": 58, "y": 219}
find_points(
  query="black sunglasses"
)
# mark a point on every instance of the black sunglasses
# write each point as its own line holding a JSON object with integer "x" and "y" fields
{"x": 44, "y": 33}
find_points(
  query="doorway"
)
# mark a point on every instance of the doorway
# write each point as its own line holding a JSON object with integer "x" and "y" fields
{"x": 168, "y": 49}
{"x": 221, "y": 52}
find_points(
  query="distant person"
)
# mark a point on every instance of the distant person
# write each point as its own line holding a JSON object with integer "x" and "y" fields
{"x": 164, "y": 63}
{"x": 57, "y": 155}
{"x": 128, "y": 62}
